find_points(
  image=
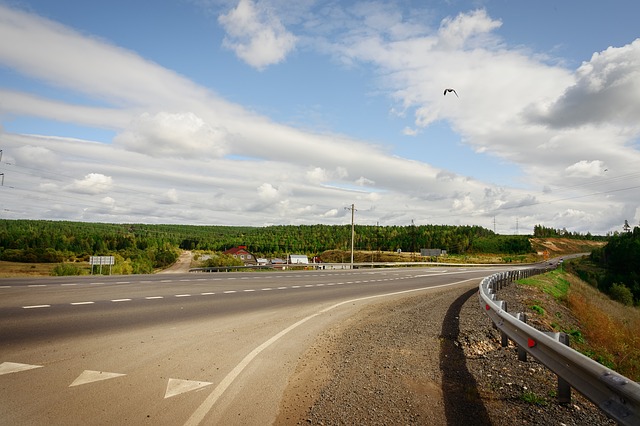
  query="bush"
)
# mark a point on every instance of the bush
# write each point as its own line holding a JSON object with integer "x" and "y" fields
{"x": 66, "y": 269}
{"x": 622, "y": 294}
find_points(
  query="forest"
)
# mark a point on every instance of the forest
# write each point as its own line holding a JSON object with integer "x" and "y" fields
{"x": 618, "y": 267}
{"x": 154, "y": 246}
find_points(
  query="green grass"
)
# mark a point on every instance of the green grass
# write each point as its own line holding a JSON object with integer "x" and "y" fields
{"x": 552, "y": 283}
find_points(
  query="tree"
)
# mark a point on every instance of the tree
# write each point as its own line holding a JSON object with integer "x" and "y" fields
{"x": 626, "y": 227}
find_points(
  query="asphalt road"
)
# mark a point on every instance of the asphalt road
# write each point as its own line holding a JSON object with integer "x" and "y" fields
{"x": 179, "y": 349}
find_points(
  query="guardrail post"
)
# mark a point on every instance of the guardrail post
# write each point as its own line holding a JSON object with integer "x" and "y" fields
{"x": 504, "y": 341}
{"x": 564, "y": 389}
{"x": 522, "y": 354}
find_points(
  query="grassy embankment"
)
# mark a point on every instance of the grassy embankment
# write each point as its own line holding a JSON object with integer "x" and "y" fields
{"x": 606, "y": 331}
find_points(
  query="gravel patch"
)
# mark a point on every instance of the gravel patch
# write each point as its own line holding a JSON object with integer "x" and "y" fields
{"x": 433, "y": 359}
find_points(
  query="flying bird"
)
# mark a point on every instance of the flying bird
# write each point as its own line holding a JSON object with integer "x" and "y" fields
{"x": 451, "y": 90}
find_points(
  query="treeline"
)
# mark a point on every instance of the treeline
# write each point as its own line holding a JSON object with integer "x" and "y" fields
{"x": 158, "y": 245}
{"x": 540, "y": 231}
{"x": 620, "y": 261}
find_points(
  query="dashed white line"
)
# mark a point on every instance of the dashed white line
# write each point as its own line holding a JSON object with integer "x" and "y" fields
{"x": 267, "y": 289}
{"x": 183, "y": 295}
{"x": 5, "y": 286}
{"x": 68, "y": 284}
{"x": 229, "y": 291}
{"x": 36, "y": 306}
{"x": 282, "y": 288}
{"x": 124, "y": 282}
{"x": 154, "y": 297}
{"x": 207, "y": 293}
{"x": 249, "y": 290}
{"x": 166, "y": 281}
{"x": 121, "y": 300}
{"x": 37, "y": 285}
{"x": 82, "y": 303}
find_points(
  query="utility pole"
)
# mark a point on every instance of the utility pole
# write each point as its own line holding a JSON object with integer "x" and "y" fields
{"x": 353, "y": 209}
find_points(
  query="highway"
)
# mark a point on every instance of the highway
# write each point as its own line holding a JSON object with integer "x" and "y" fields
{"x": 180, "y": 349}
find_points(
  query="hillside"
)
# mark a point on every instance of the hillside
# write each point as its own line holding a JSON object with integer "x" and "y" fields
{"x": 562, "y": 246}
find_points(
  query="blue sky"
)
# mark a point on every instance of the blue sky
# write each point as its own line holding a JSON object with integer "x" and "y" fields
{"x": 267, "y": 112}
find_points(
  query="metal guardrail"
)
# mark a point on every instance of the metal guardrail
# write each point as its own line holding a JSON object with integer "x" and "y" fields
{"x": 616, "y": 395}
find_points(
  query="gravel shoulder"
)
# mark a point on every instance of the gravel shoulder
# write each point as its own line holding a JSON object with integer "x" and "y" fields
{"x": 433, "y": 359}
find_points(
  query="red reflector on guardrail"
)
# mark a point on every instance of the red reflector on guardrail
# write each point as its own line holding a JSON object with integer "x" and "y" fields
{"x": 531, "y": 343}
{"x": 487, "y": 307}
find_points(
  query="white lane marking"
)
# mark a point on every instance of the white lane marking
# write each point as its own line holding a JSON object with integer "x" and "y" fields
{"x": 267, "y": 289}
{"x": 177, "y": 386}
{"x": 185, "y": 281}
{"x": 121, "y": 300}
{"x": 249, "y": 290}
{"x": 90, "y": 376}
{"x": 69, "y": 284}
{"x": 37, "y": 285}
{"x": 5, "y": 286}
{"x": 154, "y": 297}
{"x": 282, "y": 288}
{"x": 206, "y": 406}
{"x": 127, "y": 282}
{"x": 82, "y": 303}
{"x": 229, "y": 291}
{"x": 207, "y": 293}
{"x": 183, "y": 295}
{"x": 14, "y": 367}
{"x": 295, "y": 286}
{"x": 36, "y": 306}
{"x": 95, "y": 283}
{"x": 309, "y": 285}
{"x": 166, "y": 281}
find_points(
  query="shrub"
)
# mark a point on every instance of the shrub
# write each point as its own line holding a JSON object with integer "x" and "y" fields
{"x": 66, "y": 269}
{"x": 622, "y": 294}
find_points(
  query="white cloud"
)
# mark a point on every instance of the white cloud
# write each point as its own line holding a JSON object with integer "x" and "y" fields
{"x": 586, "y": 168}
{"x": 180, "y": 134}
{"x": 93, "y": 183}
{"x": 256, "y": 34}
{"x": 605, "y": 91}
{"x": 268, "y": 193}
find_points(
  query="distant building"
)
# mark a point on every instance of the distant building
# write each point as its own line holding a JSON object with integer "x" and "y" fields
{"x": 300, "y": 259}
{"x": 432, "y": 252}
{"x": 241, "y": 253}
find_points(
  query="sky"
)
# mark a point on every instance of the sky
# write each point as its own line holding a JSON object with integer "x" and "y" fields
{"x": 271, "y": 112}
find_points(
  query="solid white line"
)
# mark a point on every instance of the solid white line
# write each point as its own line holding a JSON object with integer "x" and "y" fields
{"x": 121, "y": 300}
{"x": 82, "y": 303}
{"x": 154, "y": 297}
{"x": 206, "y": 406}
{"x": 36, "y": 306}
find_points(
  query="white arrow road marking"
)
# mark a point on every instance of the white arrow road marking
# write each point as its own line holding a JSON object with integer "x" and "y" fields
{"x": 177, "y": 386}
{"x": 14, "y": 367}
{"x": 90, "y": 376}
